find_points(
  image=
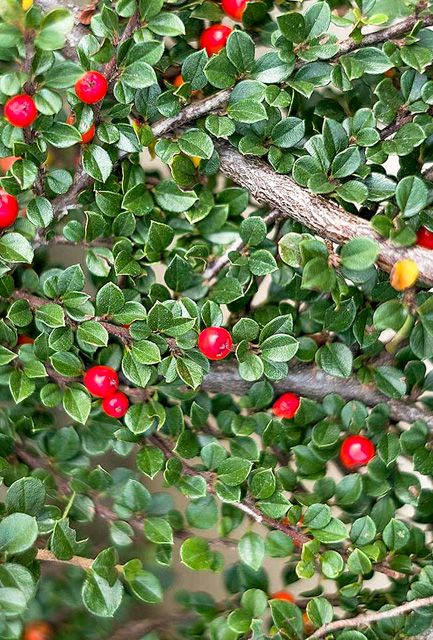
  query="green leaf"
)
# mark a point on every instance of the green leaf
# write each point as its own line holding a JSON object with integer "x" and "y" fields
{"x": 143, "y": 584}
{"x": 396, "y": 535}
{"x": 15, "y": 248}
{"x": 411, "y": 195}
{"x": 247, "y": 111}
{"x": 359, "y": 254}
{"x": 240, "y": 50}
{"x": 196, "y": 555}
{"x": 99, "y": 597}
{"x": 76, "y": 403}
{"x": 64, "y": 542}
{"x": 196, "y": 143}
{"x": 158, "y": 531}
{"x": 251, "y": 549}
{"x": 335, "y": 358}
{"x": 18, "y": 532}
{"x": 26, "y": 495}
{"x": 40, "y": 212}
{"x": 139, "y": 75}
{"x": 96, "y": 162}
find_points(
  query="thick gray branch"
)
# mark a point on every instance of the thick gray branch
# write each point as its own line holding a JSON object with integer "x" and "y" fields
{"x": 311, "y": 382}
{"x": 324, "y": 217}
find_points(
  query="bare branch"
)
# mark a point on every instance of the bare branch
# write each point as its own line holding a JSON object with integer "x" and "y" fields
{"x": 312, "y": 382}
{"x": 48, "y": 556}
{"x": 322, "y": 216}
{"x": 365, "y": 619}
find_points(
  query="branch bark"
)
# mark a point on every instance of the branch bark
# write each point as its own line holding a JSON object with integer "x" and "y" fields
{"x": 314, "y": 383}
{"x": 365, "y": 619}
{"x": 303, "y": 379}
{"x": 322, "y": 216}
{"x": 78, "y": 561}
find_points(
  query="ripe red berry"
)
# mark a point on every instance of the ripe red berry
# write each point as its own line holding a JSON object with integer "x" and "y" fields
{"x": 234, "y": 8}
{"x": 22, "y": 339}
{"x": 6, "y": 163}
{"x": 91, "y": 87}
{"x": 214, "y": 38}
{"x": 88, "y": 135}
{"x": 356, "y": 451}
{"x": 116, "y": 405}
{"x": 424, "y": 238}
{"x": 20, "y": 111}
{"x": 38, "y": 630}
{"x": 283, "y": 595}
{"x": 286, "y": 406}
{"x": 8, "y": 209}
{"x": 101, "y": 381}
{"x": 215, "y": 343}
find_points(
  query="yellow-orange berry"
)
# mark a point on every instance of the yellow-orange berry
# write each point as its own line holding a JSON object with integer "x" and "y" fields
{"x": 196, "y": 161}
{"x": 26, "y": 4}
{"x": 404, "y": 274}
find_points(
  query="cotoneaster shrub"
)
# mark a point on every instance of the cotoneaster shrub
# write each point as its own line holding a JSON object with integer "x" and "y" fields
{"x": 229, "y": 372}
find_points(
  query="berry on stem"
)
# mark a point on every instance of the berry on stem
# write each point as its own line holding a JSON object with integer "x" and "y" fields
{"x": 283, "y": 595}
{"x": 20, "y": 111}
{"x": 38, "y": 630}
{"x": 215, "y": 343}
{"x": 286, "y": 406}
{"x": 214, "y": 38}
{"x": 91, "y": 87}
{"x": 101, "y": 381}
{"x": 116, "y": 405}
{"x": 8, "y": 209}
{"x": 424, "y": 238}
{"x": 23, "y": 339}
{"x": 234, "y": 8}
{"x": 88, "y": 135}
{"x": 356, "y": 451}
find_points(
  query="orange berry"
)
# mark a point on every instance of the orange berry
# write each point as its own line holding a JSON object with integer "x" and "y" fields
{"x": 196, "y": 161}
{"x": 283, "y": 595}
{"x": 6, "y": 163}
{"x": 38, "y": 630}
{"x": 178, "y": 81}
{"x": 404, "y": 274}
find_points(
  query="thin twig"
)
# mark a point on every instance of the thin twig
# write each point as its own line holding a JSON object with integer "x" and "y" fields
{"x": 365, "y": 619}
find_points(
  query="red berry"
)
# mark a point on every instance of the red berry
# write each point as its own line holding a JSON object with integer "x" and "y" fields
{"x": 234, "y": 8}
{"x": 283, "y": 595}
{"x": 8, "y": 209}
{"x": 88, "y": 135}
{"x": 116, "y": 405}
{"x": 178, "y": 81}
{"x": 215, "y": 343}
{"x": 20, "y": 111}
{"x": 6, "y": 163}
{"x": 286, "y": 405}
{"x": 22, "y": 339}
{"x": 424, "y": 238}
{"x": 356, "y": 451}
{"x": 91, "y": 87}
{"x": 214, "y": 38}
{"x": 38, "y": 630}
{"x": 101, "y": 381}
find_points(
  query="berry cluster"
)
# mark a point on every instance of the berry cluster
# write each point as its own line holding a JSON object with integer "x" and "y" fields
{"x": 103, "y": 382}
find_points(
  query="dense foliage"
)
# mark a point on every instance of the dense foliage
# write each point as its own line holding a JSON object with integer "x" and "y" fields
{"x": 112, "y": 402}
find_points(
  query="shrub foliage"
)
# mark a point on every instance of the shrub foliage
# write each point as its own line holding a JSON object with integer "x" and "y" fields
{"x": 283, "y": 192}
